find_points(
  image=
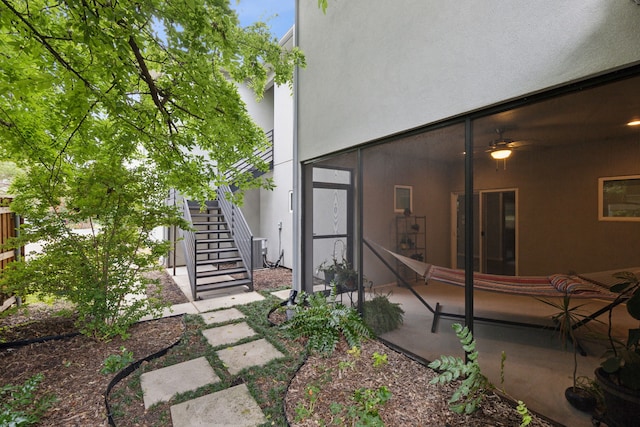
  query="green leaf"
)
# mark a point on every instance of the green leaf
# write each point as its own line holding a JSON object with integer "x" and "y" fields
{"x": 611, "y": 364}
{"x": 633, "y": 306}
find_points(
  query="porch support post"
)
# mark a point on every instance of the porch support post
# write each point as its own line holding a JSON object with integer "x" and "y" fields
{"x": 468, "y": 226}
{"x": 360, "y": 231}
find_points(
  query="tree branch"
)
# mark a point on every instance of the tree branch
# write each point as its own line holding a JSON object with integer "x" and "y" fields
{"x": 45, "y": 43}
{"x": 146, "y": 76}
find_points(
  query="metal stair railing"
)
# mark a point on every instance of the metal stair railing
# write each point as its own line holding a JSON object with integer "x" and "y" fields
{"x": 265, "y": 155}
{"x": 188, "y": 238}
{"x": 240, "y": 230}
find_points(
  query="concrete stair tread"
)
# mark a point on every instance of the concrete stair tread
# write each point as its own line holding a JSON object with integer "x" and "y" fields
{"x": 218, "y": 261}
{"x": 217, "y": 250}
{"x": 206, "y": 287}
{"x": 221, "y": 272}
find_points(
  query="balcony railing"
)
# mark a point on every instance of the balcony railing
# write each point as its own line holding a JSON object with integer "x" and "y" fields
{"x": 266, "y": 156}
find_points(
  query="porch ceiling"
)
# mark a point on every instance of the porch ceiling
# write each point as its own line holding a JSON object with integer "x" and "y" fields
{"x": 597, "y": 115}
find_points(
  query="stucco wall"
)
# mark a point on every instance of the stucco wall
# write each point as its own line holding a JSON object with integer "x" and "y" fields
{"x": 375, "y": 69}
{"x": 261, "y": 111}
{"x": 275, "y": 203}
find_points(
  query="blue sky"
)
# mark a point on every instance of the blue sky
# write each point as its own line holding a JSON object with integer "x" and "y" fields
{"x": 278, "y": 14}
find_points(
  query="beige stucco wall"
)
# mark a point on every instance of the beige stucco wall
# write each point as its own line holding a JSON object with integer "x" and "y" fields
{"x": 376, "y": 68}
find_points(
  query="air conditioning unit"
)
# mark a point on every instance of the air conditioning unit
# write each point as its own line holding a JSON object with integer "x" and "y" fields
{"x": 259, "y": 251}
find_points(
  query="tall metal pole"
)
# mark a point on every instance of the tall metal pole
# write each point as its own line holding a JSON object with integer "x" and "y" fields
{"x": 360, "y": 226}
{"x": 468, "y": 223}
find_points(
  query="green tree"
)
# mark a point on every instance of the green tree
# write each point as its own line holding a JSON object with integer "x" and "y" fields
{"x": 106, "y": 105}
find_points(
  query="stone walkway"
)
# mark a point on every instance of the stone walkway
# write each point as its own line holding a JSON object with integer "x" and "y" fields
{"x": 233, "y": 406}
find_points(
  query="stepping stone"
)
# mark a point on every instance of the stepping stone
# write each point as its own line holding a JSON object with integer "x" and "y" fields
{"x": 230, "y": 407}
{"x": 227, "y": 301}
{"x": 254, "y": 353}
{"x": 227, "y": 334}
{"x": 162, "y": 384}
{"x": 221, "y": 316}
{"x": 174, "y": 310}
{"x": 283, "y": 294}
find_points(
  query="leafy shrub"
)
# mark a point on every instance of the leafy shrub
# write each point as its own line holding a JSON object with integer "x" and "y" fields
{"x": 19, "y": 406}
{"x": 100, "y": 269}
{"x": 322, "y": 320}
{"x": 381, "y": 315}
{"x": 115, "y": 362}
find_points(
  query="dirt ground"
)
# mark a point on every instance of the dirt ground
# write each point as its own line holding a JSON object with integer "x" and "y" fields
{"x": 72, "y": 370}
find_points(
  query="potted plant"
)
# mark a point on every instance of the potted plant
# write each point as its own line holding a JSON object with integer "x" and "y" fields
{"x": 579, "y": 395}
{"x": 404, "y": 243}
{"x": 619, "y": 374}
{"x": 340, "y": 272}
{"x": 382, "y": 315}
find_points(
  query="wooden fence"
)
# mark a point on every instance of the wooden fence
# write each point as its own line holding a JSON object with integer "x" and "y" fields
{"x": 9, "y": 223}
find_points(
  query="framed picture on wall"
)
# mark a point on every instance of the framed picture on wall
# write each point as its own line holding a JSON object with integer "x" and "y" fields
{"x": 619, "y": 198}
{"x": 402, "y": 198}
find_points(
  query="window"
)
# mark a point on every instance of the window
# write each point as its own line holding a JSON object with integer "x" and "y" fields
{"x": 403, "y": 198}
{"x": 619, "y": 198}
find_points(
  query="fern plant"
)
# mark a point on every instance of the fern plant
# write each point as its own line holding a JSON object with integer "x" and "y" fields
{"x": 474, "y": 386}
{"x": 382, "y": 315}
{"x": 323, "y": 321}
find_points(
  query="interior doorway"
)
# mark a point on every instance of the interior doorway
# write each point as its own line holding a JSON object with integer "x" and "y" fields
{"x": 495, "y": 224}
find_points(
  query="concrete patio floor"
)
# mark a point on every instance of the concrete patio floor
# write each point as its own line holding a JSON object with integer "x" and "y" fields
{"x": 538, "y": 368}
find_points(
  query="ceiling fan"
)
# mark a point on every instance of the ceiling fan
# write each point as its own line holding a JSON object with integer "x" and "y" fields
{"x": 501, "y": 148}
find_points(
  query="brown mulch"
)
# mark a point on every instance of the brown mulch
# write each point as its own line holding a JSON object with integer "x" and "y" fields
{"x": 72, "y": 370}
{"x": 414, "y": 401}
{"x": 71, "y": 366}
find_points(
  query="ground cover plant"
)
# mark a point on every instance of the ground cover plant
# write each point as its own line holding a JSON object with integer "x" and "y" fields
{"x": 18, "y": 406}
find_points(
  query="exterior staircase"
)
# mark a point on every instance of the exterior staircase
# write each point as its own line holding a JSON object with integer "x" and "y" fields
{"x": 212, "y": 254}
{"x": 219, "y": 250}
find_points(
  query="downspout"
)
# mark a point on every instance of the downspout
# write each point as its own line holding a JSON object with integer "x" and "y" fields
{"x": 297, "y": 262}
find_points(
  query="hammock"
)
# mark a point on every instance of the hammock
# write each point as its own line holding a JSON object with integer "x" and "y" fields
{"x": 592, "y": 285}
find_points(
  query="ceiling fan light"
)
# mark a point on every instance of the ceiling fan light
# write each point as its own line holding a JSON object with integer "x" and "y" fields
{"x": 501, "y": 154}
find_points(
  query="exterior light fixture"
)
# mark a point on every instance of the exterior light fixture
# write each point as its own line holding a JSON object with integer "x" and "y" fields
{"x": 501, "y": 154}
